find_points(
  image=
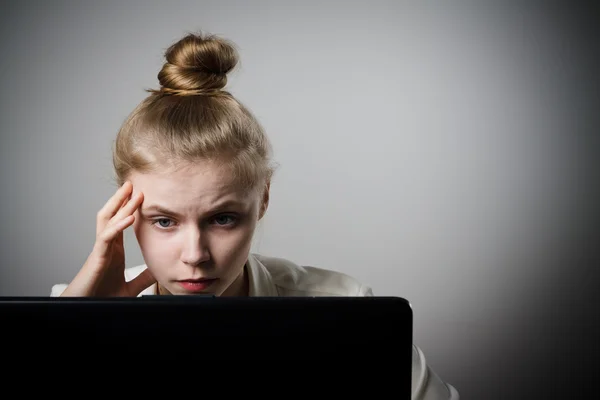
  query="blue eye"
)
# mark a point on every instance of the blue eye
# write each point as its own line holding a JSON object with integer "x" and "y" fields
{"x": 163, "y": 222}
{"x": 225, "y": 220}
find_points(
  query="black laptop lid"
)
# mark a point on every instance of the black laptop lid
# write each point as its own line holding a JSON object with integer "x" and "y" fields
{"x": 374, "y": 333}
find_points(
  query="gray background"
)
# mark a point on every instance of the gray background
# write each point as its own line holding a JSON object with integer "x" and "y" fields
{"x": 443, "y": 152}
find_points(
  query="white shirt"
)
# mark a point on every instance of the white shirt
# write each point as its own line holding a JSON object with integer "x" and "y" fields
{"x": 270, "y": 276}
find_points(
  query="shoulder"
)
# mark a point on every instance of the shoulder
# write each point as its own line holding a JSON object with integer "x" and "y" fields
{"x": 292, "y": 279}
{"x": 57, "y": 289}
{"x": 426, "y": 384}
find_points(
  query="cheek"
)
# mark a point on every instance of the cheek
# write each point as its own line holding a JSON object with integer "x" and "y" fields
{"x": 228, "y": 247}
{"x": 155, "y": 248}
{"x": 230, "y": 242}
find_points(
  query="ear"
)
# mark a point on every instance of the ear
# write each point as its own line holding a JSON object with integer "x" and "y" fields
{"x": 265, "y": 201}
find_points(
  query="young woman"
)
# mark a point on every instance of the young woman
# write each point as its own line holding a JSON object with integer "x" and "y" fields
{"x": 194, "y": 171}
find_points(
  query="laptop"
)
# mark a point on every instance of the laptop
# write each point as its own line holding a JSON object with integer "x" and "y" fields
{"x": 373, "y": 335}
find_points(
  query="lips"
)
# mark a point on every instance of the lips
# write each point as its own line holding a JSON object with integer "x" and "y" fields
{"x": 196, "y": 285}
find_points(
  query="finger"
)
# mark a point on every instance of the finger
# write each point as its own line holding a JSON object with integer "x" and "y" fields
{"x": 141, "y": 282}
{"x": 130, "y": 207}
{"x": 108, "y": 235}
{"x": 104, "y": 225}
{"x": 125, "y": 202}
{"x": 113, "y": 204}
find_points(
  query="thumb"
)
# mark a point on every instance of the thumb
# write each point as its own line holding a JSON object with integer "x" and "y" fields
{"x": 141, "y": 282}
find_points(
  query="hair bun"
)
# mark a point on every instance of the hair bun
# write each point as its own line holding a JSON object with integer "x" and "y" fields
{"x": 197, "y": 64}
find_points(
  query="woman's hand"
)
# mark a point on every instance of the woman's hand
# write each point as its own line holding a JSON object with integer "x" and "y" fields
{"x": 103, "y": 273}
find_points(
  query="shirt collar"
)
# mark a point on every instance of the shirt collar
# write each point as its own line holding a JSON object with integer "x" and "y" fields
{"x": 260, "y": 279}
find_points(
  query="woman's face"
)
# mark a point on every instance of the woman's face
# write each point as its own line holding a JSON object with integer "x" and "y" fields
{"x": 195, "y": 228}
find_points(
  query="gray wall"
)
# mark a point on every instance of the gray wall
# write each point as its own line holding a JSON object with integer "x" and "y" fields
{"x": 439, "y": 152}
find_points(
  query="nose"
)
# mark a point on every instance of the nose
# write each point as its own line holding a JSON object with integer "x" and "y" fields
{"x": 195, "y": 249}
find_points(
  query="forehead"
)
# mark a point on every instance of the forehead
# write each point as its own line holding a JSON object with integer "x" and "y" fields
{"x": 200, "y": 184}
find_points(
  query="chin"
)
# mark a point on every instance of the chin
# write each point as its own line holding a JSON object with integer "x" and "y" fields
{"x": 174, "y": 290}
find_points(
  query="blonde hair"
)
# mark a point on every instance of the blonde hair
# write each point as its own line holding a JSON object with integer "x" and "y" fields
{"x": 191, "y": 118}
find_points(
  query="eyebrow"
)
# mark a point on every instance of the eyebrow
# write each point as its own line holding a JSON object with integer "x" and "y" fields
{"x": 163, "y": 210}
